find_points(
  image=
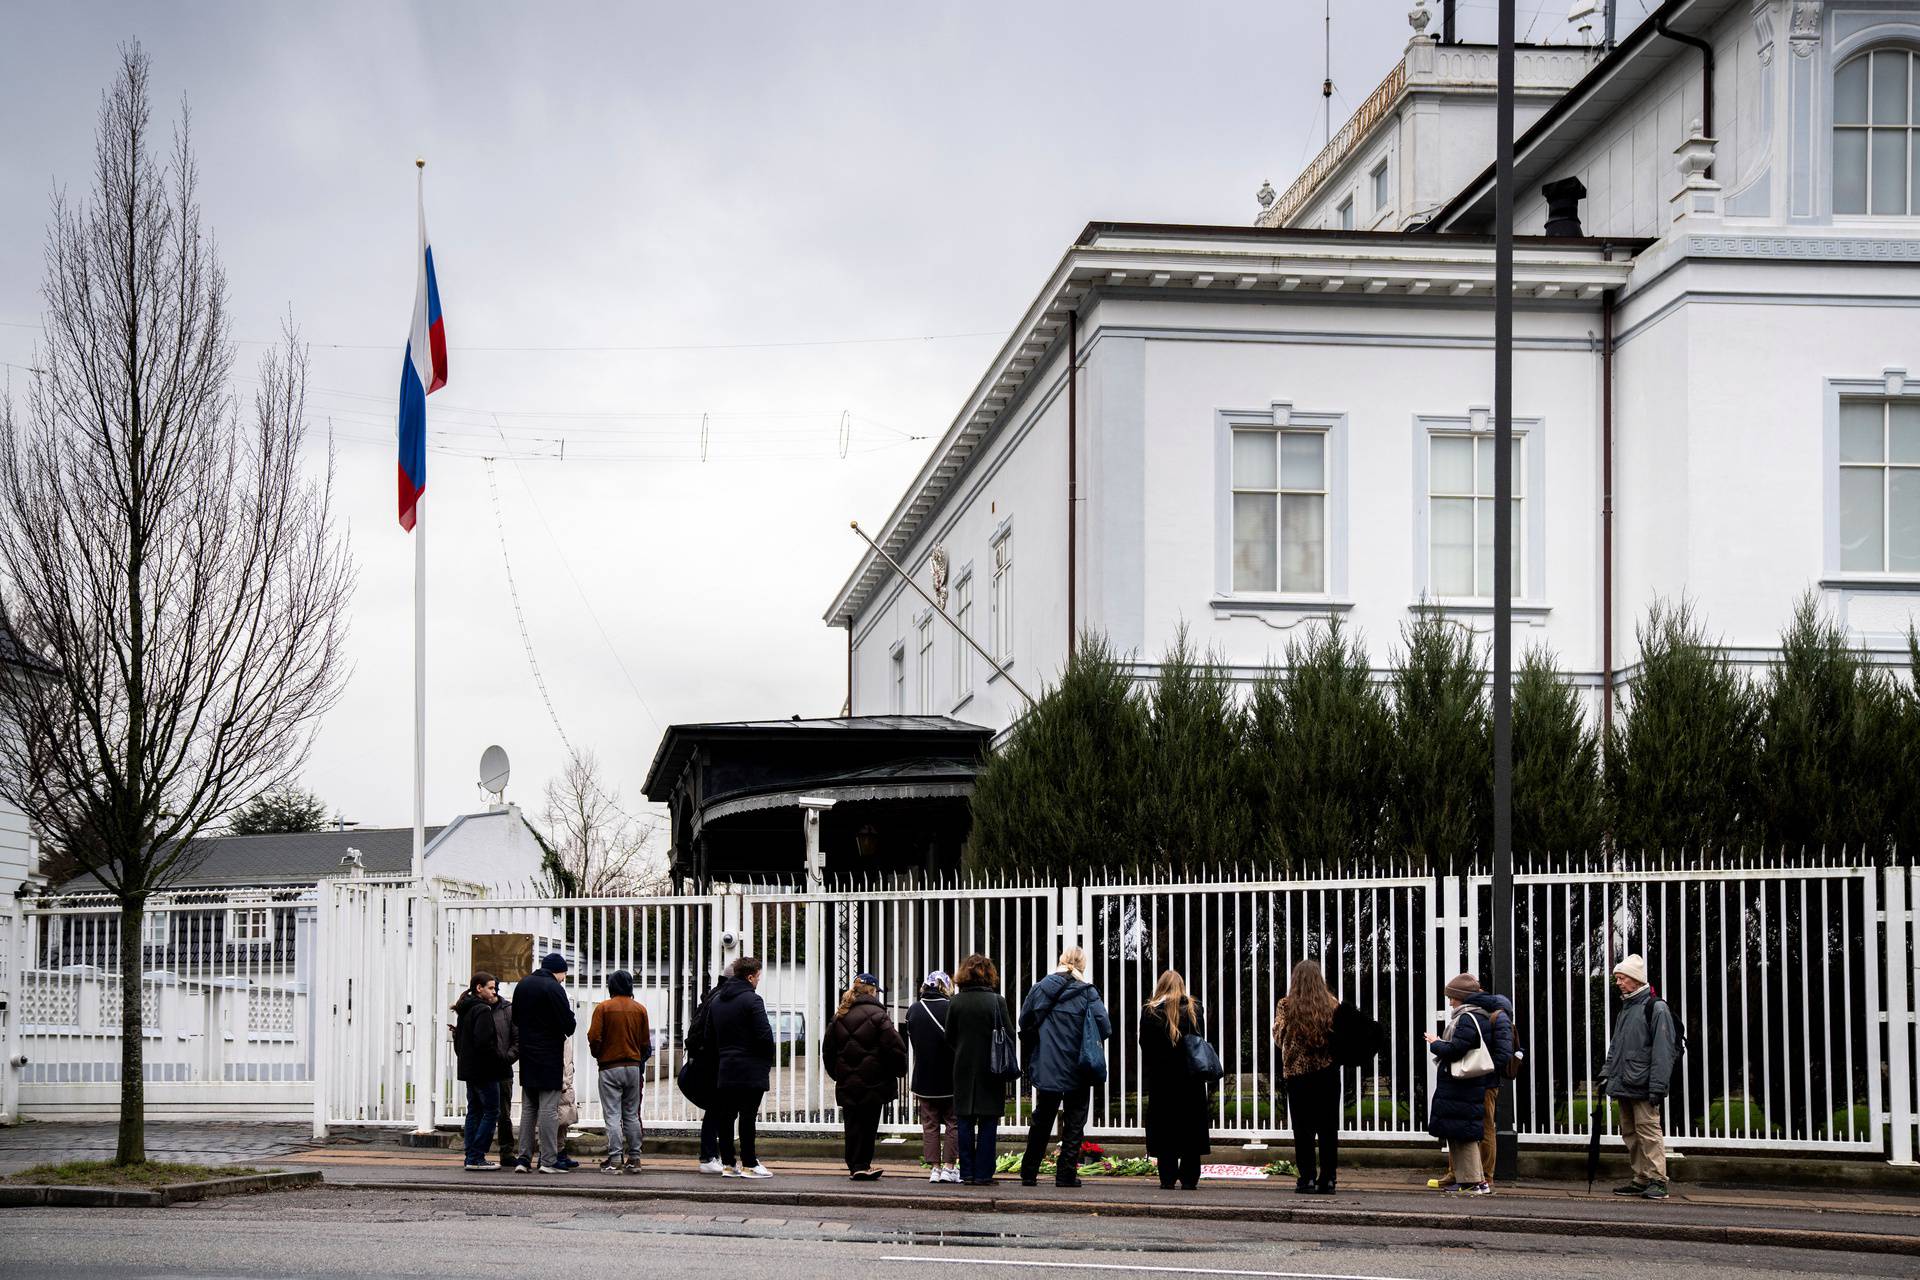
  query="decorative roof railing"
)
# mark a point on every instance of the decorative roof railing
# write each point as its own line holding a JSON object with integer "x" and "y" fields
{"x": 1357, "y": 127}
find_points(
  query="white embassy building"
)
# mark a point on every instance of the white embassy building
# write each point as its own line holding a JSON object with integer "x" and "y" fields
{"x": 1248, "y": 429}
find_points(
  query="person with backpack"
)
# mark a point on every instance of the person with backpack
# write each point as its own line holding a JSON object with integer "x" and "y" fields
{"x": 977, "y": 1016}
{"x": 1465, "y": 1054}
{"x": 1499, "y": 1011}
{"x": 696, "y": 1078}
{"x": 1647, "y": 1042}
{"x": 865, "y": 1057}
{"x": 1063, "y": 1030}
{"x": 932, "y": 1082}
{"x": 743, "y": 1065}
{"x": 1177, "y": 1128}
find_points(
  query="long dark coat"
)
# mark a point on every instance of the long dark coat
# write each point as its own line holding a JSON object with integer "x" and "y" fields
{"x": 478, "y": 1051}
{"x": 1177, "y": 1112}
{"x": 1458, "y": 1110}
{"x": 976, "y": 1094}
{"x": 864, "y": 1055}
{"x": 543, "y": 1020}
{"x": 742, "y": 1037}
{"x": 932, "y": 1052}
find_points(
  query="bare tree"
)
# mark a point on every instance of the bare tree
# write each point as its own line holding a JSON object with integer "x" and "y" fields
{"x": 595, "y": 849}
{"x": 165, "y": 553}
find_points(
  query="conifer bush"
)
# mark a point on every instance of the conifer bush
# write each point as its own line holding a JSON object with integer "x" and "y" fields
{"x": 1558, "y": 804}
{"x": 1196, "y": 801}
{"x": 1441, "y": 787}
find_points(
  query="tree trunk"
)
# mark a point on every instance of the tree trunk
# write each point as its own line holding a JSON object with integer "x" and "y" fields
{"x": 133, "y": 1084}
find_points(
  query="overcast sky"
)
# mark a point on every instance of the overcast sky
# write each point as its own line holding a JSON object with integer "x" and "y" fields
{"x": 736, "y": 189}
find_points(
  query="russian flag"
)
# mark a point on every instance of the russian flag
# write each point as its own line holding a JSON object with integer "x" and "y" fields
{"x": 423, "y": 372}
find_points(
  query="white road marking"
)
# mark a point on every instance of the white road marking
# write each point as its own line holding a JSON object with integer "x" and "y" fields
{"x": 1135, "y": 1268}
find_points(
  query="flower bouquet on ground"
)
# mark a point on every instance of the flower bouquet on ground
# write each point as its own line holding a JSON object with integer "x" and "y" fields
{"x": 1094, "y": 1163}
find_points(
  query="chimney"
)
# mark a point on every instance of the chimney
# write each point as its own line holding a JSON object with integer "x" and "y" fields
{"x": 1563, "y": 206}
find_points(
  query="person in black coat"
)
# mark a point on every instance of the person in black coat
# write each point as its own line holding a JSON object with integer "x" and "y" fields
{"x": 510, "y": 1055}
{"x": 979, "y": 1096}
{"x": 544, "y": 1021}
{"x": 865, "y": 1057}
{"x": 932, "y": 1082}
{"x": 1177, "y": 1121}
{"x": 1457, "y": 1113}
{"x": 480, "y": 1060}
{"x": 743, "y": 1048}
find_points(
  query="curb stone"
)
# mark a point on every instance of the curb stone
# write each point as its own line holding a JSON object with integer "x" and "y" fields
{"x": 1693, "y": 1233}
{"x": 20, "y": 1197}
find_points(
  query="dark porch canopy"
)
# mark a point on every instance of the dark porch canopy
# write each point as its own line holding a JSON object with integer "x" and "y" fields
{"x": 893, "y": 794}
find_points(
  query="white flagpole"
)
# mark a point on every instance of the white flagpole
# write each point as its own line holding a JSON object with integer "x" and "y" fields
{"x": 426, "y": 933}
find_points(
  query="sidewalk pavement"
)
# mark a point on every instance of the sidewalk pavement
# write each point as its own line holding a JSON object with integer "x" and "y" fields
{"x": 1879, "y": 1221}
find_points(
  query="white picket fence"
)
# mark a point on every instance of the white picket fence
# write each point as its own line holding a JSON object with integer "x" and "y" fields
{"x": 1795, "y": 978}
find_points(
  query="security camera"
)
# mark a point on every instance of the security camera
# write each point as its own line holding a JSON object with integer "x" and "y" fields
{"x": 729, "y": 940}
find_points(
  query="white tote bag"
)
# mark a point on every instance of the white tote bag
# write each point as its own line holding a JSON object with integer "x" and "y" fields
{"x": 1477, "y": 1061}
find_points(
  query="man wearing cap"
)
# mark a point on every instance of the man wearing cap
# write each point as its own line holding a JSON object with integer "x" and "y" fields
{"x": 543, "y": 1019}
{"x": 1639, "y": 1068}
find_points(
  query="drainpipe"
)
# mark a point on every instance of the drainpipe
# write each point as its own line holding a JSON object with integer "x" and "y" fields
{"x": 849, "y": 666}
{"x": 1606, "y": 512}
{"x": 1073, "y": 464}
{"x": 1706, "y": 72}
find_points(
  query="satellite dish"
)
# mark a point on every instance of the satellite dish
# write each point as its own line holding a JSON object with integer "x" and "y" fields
{"x": 494, "y": 771}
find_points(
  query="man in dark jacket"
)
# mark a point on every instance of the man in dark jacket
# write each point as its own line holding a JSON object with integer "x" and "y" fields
{"x": 1054, "y": 1024}
{"x": 932, "y": 1083}
{"x": 543, "y": 1019}
{"x": 743, "y": 1051}
{"x": 697, "y": 1079}
{"x": 480, "y": 1062}
{"x": 1638, "y": 1072}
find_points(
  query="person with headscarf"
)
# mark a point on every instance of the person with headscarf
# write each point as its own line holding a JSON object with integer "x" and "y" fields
{"x": 621, "y": 1038}
{"x": 932, "y": 1081}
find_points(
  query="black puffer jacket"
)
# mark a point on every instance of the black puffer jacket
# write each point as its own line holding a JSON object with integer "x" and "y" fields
{"x": 742, "y": 1037}
{"x": 864, "y": 1055}
{"x": 932, "y": 1050}
{"x": 477, "y": 1047}
{"x": 543, "y": 1019}
{"x": 1459, "y": 1107}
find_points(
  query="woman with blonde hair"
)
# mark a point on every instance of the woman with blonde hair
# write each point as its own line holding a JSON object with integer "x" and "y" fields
{"x": 1304, "y": 1031}
{"x": 1063, "y": 1032}
{"x": 1176, "y": 1097}
{"x": 866, "y": 1057}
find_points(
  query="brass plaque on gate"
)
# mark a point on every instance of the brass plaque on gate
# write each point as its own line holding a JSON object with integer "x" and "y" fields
{"x": 507, "y": 956}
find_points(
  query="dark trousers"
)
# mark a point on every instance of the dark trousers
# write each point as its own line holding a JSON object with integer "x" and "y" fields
{"x": 1181, "y": 1170}
{"x": 1313, "y": 1102}
{"x": 1073, "y": 1129}
{"x": 483, "y": 1113}
{"x": 507, "y": 1152}
{"x": 979, "y": 1135}
{"x": 709, "y": 1135}
{"x": 862, "y": 1125}
{"x": 741, "y": 1106}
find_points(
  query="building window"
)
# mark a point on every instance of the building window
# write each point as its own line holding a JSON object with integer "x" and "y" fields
{"x": 153, "y": 928}
{"x": 899, "y": 660}
{"x": 1460, "y": 514}
{"x": 1876, "y": 133}
{"x": 962, "y": 651}
{"x": 925, "y": 671}
{"x": 1345, "y": 214}
{"x": 1000, "y": 605}
{"x": 1880, "y": 486}
{"x": 1279, "y": 510}
{"x": 1380, "y": 187}
{"x": 249, "y": 926}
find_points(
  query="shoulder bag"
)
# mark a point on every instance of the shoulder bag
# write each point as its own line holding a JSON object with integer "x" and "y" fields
{"x": 1003, "y": 1058}
{"x": 1477, "y": 1061}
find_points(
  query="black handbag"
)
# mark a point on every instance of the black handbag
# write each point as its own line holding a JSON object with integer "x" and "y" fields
{"x": 1203, "y": 1060}
{"x": 1003, "y": 1056}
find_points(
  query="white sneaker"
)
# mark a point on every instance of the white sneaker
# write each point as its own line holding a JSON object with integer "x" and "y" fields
{"x": 758, "y": 1171}
{"x": 953, "y": 1173}
{"x": 712, "y": 1166}
{"x": 936, "y": 1174}
{"x": 548, "y": 1168}
{"x": 732, "y": 1171}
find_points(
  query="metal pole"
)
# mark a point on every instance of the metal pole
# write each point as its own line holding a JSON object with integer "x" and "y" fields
{"x": 1501, "y": 926}
{"x": 425, "y": 1023}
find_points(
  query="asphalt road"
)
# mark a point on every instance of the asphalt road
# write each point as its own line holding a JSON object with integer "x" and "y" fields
{"x": 327, "y": 1232}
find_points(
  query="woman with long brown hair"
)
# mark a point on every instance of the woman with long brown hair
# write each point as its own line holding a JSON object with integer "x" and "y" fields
{"x": 1303, "y": 1029}
{"x": 979, "y": 1096}
{"x": 866, "y": 1057}
{"x": 1176, "y": 1097}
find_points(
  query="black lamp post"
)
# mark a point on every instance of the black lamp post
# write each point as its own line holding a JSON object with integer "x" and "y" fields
{"x": 1502, "y": 930}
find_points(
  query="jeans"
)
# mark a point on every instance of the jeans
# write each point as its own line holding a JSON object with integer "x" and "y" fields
{"x": 540, "y": 1116}
{"x": 862, "y": 1124}
{"x": 936, "y": 1122}
{"x": 1313, "y": 1101}
{"x": 483, "y": 1113}
{"x": 978, "y": 1137}
{"x": 1073, "y": 1128}
{"x": 742, "y": 1105}
{"x": 620, "y": 1102}
{"x": 1181, "y": 1170}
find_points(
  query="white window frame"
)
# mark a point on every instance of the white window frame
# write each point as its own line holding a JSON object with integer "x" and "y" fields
{"x": 897, "y": 660}
{"x": 1280, "y": 415}
{"x": 155, "y": 928}
{"x": 1380, "y": 181}
{"x": 1000, "y": 607}
{"x": 1910, "y": 129}
{"x": 1345, "y": 214}
{"x": 234, "y": 937}
{"x": 1530, "y": 587}
{"x": 923, "y": 670}
{"x": 1892, "y": 384}
{"x": 963, "y": 622}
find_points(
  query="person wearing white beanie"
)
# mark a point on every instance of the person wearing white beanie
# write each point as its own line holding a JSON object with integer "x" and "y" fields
{"x": 1638, "y": 1072}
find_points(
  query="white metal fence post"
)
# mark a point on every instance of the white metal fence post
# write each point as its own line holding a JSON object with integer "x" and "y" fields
{"x": 13, "y": 962}
{"x": 1899, "y": 1015}
{"x": 426, "y": 1019}
{"x": 320, "y": 1002}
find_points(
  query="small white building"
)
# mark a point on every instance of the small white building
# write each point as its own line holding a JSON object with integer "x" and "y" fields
{"x": 1271, "y": 425}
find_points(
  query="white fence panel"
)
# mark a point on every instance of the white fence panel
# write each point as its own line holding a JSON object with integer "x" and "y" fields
{"x": 366, "y": 976}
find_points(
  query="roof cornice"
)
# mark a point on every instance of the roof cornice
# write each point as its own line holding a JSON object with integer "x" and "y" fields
{"x": 1201, "y": 262}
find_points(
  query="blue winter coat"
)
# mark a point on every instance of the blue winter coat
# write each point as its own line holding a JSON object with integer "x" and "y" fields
{"x": 1502, "y": 1033}
{"x": 1050, "y": 1024}
{"x": 1458, "y": 1111}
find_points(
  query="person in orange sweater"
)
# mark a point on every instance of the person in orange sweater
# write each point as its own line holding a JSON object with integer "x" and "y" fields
{"x": 621, "y": 1038}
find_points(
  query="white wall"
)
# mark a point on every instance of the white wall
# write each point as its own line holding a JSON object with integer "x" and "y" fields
{"x": 18, "y": 850}
{"x": 495, "y": 848}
